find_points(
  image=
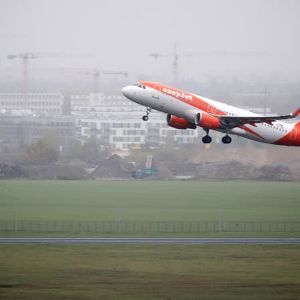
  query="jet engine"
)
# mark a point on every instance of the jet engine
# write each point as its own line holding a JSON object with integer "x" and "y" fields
{"x": 208, "y": 121}
{"x": 179, "y": 123}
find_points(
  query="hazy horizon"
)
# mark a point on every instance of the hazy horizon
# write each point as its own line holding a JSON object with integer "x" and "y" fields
{"x": 120, "y": 35}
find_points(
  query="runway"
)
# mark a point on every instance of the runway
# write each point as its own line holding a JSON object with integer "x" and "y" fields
{"x": 157, "y": 241}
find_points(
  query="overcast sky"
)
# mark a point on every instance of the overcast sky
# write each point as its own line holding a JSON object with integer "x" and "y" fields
{"x": 121, "y": 34}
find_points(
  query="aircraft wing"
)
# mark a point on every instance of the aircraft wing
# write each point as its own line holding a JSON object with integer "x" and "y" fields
{"x": 234, "y": 121}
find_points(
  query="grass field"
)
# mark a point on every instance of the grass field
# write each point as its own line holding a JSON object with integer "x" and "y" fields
{"x": 149, "y": 272}
{"x": 149, "y": 201}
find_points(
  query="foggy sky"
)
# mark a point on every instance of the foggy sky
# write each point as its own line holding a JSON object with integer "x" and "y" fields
{"x": 121, "y": 34}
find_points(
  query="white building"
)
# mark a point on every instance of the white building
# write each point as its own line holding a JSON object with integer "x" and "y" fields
{"x": 38, "y": 103}
{"x": 125, "y": 131}
{"x": 29, "y": 129}
{"x": 94, "y": 104}
{"x": 117, "y": 122}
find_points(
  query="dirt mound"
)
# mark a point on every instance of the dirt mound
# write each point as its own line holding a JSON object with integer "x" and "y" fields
{"x": 113, "y": 167}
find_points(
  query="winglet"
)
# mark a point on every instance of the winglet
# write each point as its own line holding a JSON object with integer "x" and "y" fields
{"x": 296, "y": 113}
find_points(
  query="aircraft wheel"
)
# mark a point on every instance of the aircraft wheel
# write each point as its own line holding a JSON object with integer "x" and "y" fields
{"x": 226, "y": 139}
{"x": 145, "y": 118}
{"x": 206, "y": 139}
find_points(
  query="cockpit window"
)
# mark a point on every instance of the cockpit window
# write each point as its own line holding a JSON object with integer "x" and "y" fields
{"x": 140, "y": 85}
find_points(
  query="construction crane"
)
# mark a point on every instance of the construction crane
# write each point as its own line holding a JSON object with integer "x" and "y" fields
{"x": 175, "y": 56}
{"x": 98, "y": 73}
{"x": 25, "y": 57}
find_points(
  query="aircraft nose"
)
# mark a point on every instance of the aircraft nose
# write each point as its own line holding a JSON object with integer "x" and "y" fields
{"x": 126, "y": 91}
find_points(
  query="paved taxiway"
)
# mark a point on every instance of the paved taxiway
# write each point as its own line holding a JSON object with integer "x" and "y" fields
{"x": 163, "y": 240}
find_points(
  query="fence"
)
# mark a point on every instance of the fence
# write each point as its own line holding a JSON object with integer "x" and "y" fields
{"x": 146, "y": 227}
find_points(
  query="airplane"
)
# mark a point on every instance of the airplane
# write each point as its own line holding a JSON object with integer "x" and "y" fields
{"x": 187, "y": 110}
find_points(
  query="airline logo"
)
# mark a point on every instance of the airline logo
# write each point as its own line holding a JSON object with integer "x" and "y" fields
{"x": 183, "y": 96}
{"x": 177, "y": 94}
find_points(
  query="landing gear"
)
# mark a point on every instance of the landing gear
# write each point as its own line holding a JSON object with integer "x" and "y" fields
{"x": 206, "y": 139}
{"x": 148, "y": 111}
{"x": 226, "y": 139}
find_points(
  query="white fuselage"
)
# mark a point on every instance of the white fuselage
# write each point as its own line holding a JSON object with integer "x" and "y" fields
{"x": 151, "y": 97}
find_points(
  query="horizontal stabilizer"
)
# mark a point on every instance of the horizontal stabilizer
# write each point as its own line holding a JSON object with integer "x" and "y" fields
{"x": 296, "y": 113}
